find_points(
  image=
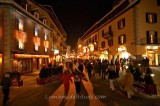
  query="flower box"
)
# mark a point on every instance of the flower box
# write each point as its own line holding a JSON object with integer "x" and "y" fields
{"x": 42, "y": 81}
{"x": 17, "y": 83}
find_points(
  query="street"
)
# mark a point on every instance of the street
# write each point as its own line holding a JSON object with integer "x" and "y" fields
{"x": 95, "y": 92}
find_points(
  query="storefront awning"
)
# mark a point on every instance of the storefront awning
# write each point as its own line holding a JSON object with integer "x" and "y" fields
{"x": 30, "y": 56}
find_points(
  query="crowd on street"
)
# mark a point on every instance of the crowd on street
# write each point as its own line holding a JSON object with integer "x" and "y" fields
{"x": 72, "y": 71}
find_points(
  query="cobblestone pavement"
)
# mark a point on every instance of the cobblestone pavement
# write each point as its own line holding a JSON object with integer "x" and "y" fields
{"x": 95, "y": 92}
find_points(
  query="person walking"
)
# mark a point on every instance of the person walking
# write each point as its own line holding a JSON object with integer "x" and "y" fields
{"x": 97, "y": 69}
{"x": 77, "y": 74}
{"x": 128, "y": 83}
{"x": 89, "y": 69}
{"x": 111, "y": 76}
{"x": 66, "y": 78}
{"x": 6, "y": 83}
{"x": 117, "y": 64}
{"x": 104, "y": 68}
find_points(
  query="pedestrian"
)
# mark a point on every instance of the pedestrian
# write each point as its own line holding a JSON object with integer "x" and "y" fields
{"x": 117, "y": 64}
{"x": 6, "y": 83}
{"x": 128, "y": 83}
{"x": 77, "y": 74}
{"x": 104, "y": 68}
{"x": 111, "y": 76}
{"x": 89, "y": 69}
{"x": 66, "y": 78}
{"x": 97, "y": 69}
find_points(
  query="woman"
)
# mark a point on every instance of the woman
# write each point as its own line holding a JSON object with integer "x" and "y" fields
{"x": 66, "y": 78}
{"x": 111, "y": 76}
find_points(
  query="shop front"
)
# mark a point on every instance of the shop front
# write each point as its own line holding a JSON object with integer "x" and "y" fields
{"x": 152, "y": 53}
{"x": 24, "y": 63}
{"x": 104, "y": 55}
{"x": 122, "y": 53}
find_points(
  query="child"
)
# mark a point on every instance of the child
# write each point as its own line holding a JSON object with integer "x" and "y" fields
{"x": 66, "y": 78}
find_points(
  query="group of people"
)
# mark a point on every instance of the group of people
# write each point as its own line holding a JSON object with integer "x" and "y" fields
{"x": 75, "y": 70}
{"x": 98, "y": 69}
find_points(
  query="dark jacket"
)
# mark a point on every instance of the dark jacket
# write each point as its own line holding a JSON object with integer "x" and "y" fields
{"x": 6, "y": 83}
{"x": 111, "y": 72}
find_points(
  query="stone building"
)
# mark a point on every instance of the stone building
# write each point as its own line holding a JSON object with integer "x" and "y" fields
{"x": 29, "y": 34}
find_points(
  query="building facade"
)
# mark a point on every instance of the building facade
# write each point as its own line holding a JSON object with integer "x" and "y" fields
{"x": 131, "y": 28}
{"x": 28, "y": 35}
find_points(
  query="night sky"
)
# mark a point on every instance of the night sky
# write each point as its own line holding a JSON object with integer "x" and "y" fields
{"x": 77, "y": 16}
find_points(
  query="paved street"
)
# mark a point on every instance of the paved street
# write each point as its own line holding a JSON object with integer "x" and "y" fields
{"x": 95, "y": 92}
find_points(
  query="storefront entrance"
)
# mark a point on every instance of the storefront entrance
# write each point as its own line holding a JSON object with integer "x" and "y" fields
{"x": 22, "y": 66}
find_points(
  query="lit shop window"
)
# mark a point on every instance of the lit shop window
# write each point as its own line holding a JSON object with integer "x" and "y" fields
{"x": 36, "y": 31}
{"x": 20, "y": 24}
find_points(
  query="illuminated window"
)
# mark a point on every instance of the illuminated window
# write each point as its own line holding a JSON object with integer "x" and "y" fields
{"x": 45, "y": 36}
{"x": 122, "y": 39}
{"x": 46, "y": 45}
{"x": 26, "y": 6}
{"x": 21, "y": 38}
{"x": 121, "y": 23}
{"x": 152, "y": 37}
{"x": 36, "y": 48}
{"x": 20, "y": 24}
{"x": 36, "y": 31}
{"x": 21, "y": 44}
{"x": 36, "y": 41}
{"x": 45, "y": 49}
{"x": 151, "y": 17}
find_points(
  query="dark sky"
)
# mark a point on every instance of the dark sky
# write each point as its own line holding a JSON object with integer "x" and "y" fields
{"x": 77, "y": 16}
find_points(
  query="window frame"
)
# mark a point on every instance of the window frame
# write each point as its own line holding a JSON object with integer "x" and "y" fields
{"x": 153, "y": 16}
{"x": 120, "y": 40}
{"x": 121, "y": 23}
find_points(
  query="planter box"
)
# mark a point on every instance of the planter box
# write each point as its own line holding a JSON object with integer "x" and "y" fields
{"x": 17, "y": 83}
{"x": 149, "y": 89}
{"x": 139, "y": 86}
{"x": 42, "y": 81}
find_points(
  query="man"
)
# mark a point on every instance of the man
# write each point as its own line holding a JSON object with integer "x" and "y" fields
{"x": 6, "y": 83}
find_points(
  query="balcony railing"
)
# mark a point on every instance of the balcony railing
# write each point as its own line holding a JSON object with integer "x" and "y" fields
{"x": 108, "y": 34}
